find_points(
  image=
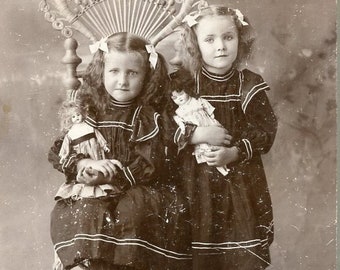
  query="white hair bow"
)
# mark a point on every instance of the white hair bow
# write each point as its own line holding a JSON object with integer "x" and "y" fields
{"x": 240, "y": 17}
{"x": 190, "y": 19}
{"x": 153, "y": 55}
{"x": 99, "y": 45}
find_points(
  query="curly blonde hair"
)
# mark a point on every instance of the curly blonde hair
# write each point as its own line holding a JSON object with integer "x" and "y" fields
{"x": 66, "y": 110}
{"x": 155, "y": 81}
{"x": 192, "y": 58}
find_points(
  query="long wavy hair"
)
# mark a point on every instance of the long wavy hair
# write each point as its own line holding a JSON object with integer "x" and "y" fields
{"x": 155, "y": 80}
{"x": 192, "y": 58}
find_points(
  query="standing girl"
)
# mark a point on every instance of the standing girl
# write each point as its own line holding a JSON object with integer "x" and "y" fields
{"x": 232, "y": 222}
{"x": 127, "y": 231}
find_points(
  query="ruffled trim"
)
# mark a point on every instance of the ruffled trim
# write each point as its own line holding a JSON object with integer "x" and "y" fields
{"x": 78, "y": 191}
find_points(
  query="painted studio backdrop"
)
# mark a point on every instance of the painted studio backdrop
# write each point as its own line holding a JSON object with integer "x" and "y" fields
{"x": 296, "y": 56}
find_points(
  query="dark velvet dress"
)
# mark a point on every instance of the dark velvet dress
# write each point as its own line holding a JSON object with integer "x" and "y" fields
{"x": 231, "y": 216}
{"x": 141, "y": 227}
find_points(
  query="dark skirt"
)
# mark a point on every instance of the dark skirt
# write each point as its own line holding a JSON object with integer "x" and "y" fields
{"x": 228, "y": 229}
{"x": 136, "y": 229}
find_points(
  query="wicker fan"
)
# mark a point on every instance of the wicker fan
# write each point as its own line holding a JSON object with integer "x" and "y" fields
{"x": 151, "y": 19}
{"x": 97, "y": 19}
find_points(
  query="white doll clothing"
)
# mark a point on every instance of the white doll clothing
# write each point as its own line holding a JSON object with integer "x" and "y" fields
{"x": 201, "y": 113}
{"x": 83, "y": 138}
{"x": 197, "y": 111}
{"x": 77, "y": 191}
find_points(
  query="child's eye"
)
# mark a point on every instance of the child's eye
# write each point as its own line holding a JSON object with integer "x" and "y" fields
{"x": 228, "y": 37}
{"x": 209, "y": 40}
{"x": 114, "y": 71}
{"x": 132, "y": 73}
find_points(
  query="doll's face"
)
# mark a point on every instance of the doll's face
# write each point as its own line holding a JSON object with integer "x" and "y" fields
{"x": 179, "y": 97}
{"x": 76, "y": 117}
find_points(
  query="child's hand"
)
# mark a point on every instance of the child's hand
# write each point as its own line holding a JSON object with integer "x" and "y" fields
{"x": 220, "y": 156}
{"x": 105, "y": 168}
{"x": 90, "y": 177}
{"x": 214, "y": 135}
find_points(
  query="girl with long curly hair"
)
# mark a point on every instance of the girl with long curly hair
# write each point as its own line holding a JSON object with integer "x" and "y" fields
{"x": 129, "y": 230}
{"x": 231, "y": 215}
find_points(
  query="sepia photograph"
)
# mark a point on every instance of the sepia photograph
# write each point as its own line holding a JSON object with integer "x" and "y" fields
{"x": 168, "y": 135}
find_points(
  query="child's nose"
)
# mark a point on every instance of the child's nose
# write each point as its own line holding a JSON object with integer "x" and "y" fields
{"x": 122, "y": 79}
{"x": 220, "y": 45}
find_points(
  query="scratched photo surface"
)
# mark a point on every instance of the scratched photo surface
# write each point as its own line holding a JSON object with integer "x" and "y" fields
{"x": 295, "y": 53}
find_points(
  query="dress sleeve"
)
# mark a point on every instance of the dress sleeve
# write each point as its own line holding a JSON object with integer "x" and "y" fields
{"x": 148, "y": 150}
{"x": 259, "y": 133}
{"x": 145, "y": 168}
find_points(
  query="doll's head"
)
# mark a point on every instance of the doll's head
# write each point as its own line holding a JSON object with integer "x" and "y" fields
{"x": 70, "y": 113}
{"x": 218, "y": 38}
{"x": 180, "y": 97}
{"x": 182, "y": 87}
{"x": 124, "y": 73}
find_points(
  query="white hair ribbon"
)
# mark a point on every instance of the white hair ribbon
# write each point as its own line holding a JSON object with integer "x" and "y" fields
{"x": 99, "y": 45}
{"x": 153, "y": 55}
{"x": 190, "y": 19}
{"x": 240, "y": 17}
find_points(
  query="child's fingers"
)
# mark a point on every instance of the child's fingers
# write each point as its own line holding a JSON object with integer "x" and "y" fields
{"x": 80, "y": 177}
{"x": 108, "y": 169}
{"x": 227, "y": 139}
{"x": 117, "y": 163}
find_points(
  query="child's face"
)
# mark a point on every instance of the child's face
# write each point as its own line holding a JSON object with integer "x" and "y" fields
{"x": 217, "y": 38}
{"x": 179, "y": 97}
{"x": 76, "y": 117}
{"x": 124, "y": 75}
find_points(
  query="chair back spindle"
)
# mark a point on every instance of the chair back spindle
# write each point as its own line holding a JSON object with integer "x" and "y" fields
{"x": 71, "y": 61}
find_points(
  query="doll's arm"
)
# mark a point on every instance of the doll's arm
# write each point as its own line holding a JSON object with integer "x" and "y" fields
{"x": 180, "y": 122}
{"x": 69, "y": 166}
{"x": 101, "y": 140}
{"x": 207, "y": 107}
{"x": 65, "y": 149}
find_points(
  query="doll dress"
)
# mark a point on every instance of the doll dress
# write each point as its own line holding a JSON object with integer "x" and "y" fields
{"x": 91, "y": 143}
{"x": 200, "y": 112}
{"x": 231, "y": 216}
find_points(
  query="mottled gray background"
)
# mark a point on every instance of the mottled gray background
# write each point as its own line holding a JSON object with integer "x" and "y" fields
{"x": 295, "y": 54}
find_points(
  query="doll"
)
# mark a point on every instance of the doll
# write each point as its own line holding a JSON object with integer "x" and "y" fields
{"x": 81, "y": 138}
{"x": 197, "y": 111}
